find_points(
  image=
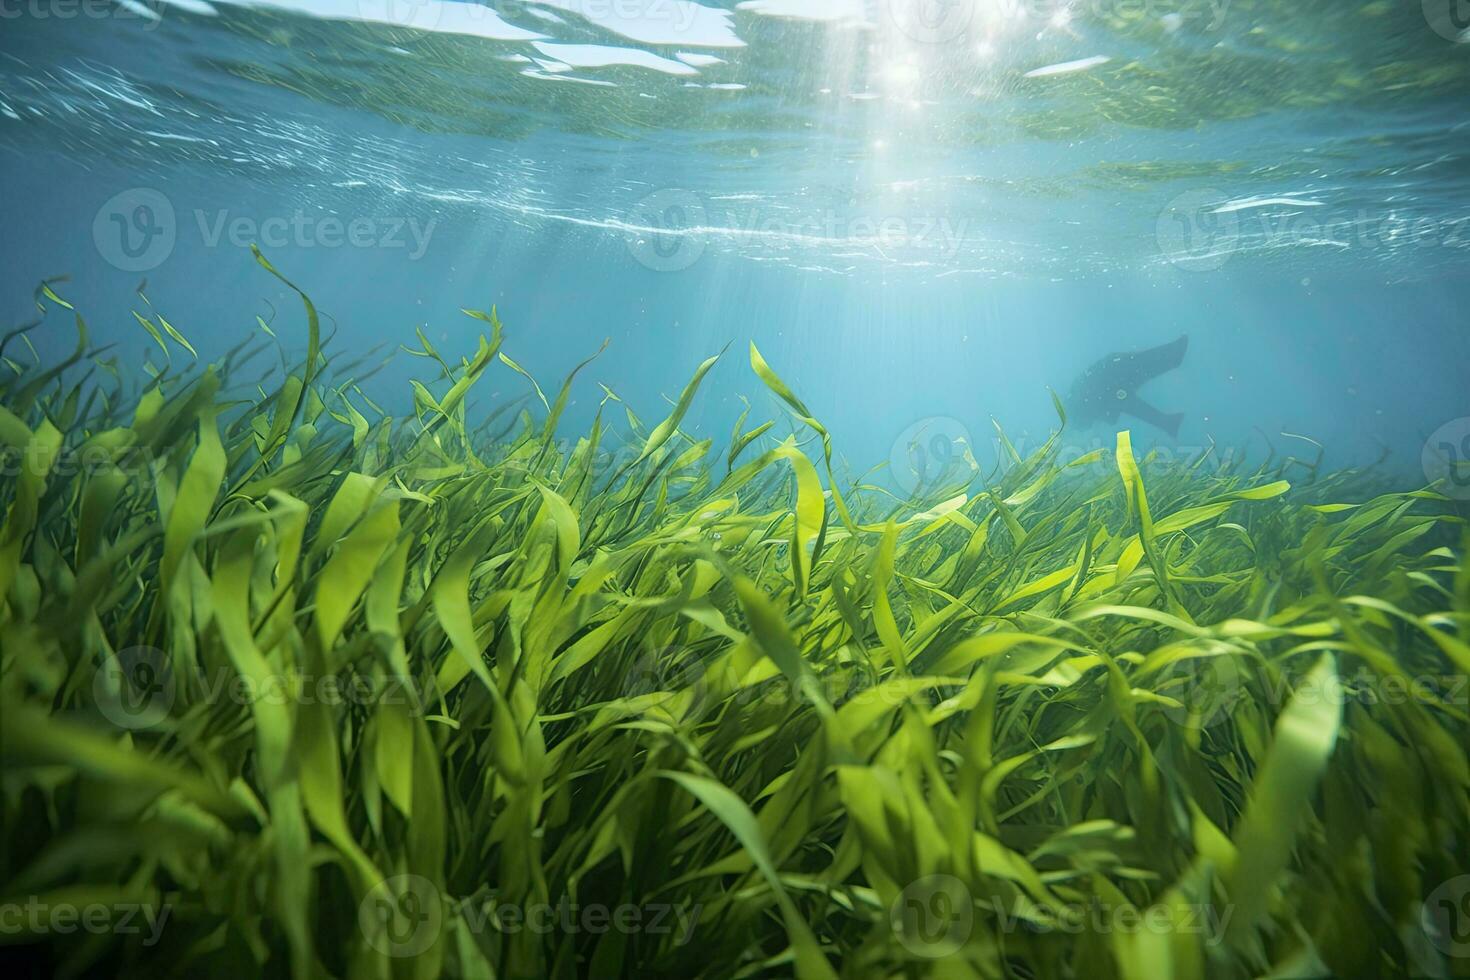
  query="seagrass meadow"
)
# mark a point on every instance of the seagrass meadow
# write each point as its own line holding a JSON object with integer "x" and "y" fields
{"x": 295, "y": 688}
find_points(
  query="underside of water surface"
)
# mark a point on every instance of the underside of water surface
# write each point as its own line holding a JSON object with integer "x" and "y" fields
{"x": 781, "y": 488}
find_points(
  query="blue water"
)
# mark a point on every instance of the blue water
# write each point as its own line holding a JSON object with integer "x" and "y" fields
{"x": 924, "y": 214}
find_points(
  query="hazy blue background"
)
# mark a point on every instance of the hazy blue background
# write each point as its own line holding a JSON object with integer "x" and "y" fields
{"x": 1063, "y": 233}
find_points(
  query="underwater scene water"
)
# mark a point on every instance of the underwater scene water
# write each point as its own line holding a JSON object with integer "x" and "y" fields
{"x": 655, "y": 488}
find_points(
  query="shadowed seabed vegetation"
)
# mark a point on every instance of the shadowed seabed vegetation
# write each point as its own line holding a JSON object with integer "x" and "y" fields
{"x": 355, "y": 697}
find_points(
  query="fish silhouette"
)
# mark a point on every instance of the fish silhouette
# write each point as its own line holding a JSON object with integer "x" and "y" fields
{"x": 1110, "y": 387}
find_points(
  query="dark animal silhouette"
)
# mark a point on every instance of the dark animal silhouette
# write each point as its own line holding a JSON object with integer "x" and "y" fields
{"x": 1110, "y": 387}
